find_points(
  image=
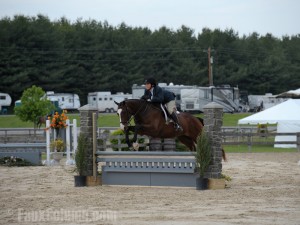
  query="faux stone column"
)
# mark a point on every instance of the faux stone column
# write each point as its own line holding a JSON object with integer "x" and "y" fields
{"x": 213, "y": 121}
{"x": 86, "y": 128}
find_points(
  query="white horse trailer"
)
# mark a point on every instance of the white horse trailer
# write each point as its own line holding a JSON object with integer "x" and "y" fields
{"x": 66, "y": 101}
{"x": 5, "y": 101}
{"x": 104, "y": 101}
{"x": 194, "y": 99}
{"x": 139, "y": 90}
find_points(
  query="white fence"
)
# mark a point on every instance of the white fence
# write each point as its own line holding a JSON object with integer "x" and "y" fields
{"x": 70, "y": 136}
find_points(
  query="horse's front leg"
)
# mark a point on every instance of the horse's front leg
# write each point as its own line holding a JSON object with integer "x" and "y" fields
{"x": 127, "y": 137}
{"x": 135, "y": 142}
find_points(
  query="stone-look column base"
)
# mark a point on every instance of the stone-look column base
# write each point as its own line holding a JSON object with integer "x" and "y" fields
{"x": 213, "y": 121}
{"x": 86, "y": 128}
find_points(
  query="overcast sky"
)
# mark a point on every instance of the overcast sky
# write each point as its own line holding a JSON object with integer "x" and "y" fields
{"x": 278, "y": 17}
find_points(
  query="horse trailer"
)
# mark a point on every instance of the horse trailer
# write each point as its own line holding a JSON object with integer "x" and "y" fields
{"x": 138, "y": 91}
{"x": 194, "y": 99}
{"x": 104, "y": 101}
{"x": 5, "y": 101}
{"x": 66, "y": 101}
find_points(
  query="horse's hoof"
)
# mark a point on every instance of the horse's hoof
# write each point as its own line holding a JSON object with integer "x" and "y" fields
{"x": 135, "y": 146}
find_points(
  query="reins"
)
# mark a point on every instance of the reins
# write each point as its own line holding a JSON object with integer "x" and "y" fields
{"x": 131, "y": 115}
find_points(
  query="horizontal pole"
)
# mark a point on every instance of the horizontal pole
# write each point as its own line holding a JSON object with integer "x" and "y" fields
{"x": 154, "y": 153}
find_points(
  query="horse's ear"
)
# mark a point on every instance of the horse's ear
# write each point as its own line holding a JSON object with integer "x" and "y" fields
{"x": 117, "y": 103}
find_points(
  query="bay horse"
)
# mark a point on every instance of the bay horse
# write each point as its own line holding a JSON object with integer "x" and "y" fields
{"x": 149, "y": 120}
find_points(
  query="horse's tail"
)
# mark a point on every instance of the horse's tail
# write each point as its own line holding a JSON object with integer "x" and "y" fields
{"x": 201, "y": 120}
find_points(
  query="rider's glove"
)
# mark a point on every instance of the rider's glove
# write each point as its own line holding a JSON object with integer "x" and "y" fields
{"x": 145, "y": 97}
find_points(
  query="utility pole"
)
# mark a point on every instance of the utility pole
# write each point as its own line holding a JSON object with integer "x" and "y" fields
{"x": 210, "y": 69}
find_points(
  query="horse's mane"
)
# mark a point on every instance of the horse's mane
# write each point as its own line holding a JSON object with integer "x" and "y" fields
{"x": 148, "y": 104}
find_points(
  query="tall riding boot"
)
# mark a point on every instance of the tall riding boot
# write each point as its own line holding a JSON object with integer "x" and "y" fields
{"x": 176, "y": 123}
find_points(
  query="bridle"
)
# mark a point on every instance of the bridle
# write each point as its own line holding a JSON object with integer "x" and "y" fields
{"x": 132, "y": 115}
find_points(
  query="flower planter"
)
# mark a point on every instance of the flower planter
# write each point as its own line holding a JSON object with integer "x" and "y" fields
{"x": 56, "y": 157}
{"x": 93, "y": 181}
{"x": 216, "y": 183}
{"x": 80, "y": 181}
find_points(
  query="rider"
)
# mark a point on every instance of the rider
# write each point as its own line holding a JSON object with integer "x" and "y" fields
{"x": 154, "y": 93}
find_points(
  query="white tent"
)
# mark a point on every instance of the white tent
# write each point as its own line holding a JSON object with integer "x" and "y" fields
{"x": 287, "y": 117}
{"x": 290, "y": 94}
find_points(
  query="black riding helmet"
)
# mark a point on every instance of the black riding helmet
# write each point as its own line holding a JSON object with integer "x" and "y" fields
{"x": 151, "y": 81}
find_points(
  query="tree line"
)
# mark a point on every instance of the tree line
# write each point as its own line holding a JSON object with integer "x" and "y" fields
{"x": 87, "y": 56}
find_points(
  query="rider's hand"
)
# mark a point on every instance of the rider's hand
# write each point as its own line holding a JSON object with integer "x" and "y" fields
{"x": 145, "y": 97}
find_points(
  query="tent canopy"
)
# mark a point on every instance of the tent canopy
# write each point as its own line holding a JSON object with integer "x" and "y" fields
{"x": 290, "y": 94}
{"x": 288, "y": 111}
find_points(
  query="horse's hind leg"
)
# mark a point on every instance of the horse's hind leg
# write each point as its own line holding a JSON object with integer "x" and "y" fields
{"x": 187, "y": 142}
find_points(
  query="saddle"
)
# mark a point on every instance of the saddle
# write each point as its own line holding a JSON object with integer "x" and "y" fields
{"x": 164, "y": 112}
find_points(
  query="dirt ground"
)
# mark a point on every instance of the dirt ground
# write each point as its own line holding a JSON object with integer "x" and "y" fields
{"x": 265, "y": 189}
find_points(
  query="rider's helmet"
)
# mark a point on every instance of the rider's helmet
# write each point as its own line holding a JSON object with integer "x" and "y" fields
{"x": 151, "y": 81}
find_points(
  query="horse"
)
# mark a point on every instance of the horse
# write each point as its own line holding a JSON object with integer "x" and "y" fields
{"x": 150, "y": 120}
{"x": 42, "y": 120}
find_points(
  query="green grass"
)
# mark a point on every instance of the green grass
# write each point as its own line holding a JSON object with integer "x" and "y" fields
{"x": 112, "y": 120}
{"x": 231, "y": 120}
{"x": 104, "y": 120}
{"x": 12, "y": 121}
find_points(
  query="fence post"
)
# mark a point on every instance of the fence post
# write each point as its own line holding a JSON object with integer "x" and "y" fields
{"x": 298, "y": 141}
{"x": 86, "y": 128}
{"x": 47, "y": 162}
{"x": 213, "y": 121}
{"x": 68, "y": 144}
{"x": 74, "y": 132}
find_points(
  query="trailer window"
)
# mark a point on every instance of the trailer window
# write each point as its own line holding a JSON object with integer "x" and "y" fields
{"x": 2, "y": 97}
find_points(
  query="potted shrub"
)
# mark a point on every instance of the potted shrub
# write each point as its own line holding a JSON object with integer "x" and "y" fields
{"x": 80, "y": 161}
{"x": 203, "y": 159}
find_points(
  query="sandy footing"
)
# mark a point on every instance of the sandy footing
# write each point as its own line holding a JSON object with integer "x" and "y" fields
{"x": 265, "y": 189}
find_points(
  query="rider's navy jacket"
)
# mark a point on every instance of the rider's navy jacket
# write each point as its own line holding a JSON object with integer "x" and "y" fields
{"x": 160, "y": 95}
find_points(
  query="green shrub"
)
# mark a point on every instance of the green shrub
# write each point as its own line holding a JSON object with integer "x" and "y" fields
{"x": 203, "y": 153}
{"x": 80, "y": 154}
{"x": 14, "y": 161}
{"x": 114, "y": 141}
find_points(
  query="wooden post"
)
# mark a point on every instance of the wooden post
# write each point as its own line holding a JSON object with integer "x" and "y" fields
{"x": 94, "y": 145}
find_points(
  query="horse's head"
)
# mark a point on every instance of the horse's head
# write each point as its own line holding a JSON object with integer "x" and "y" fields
{"x": 124, "y": 114}
{"x": 129, "y": 109}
